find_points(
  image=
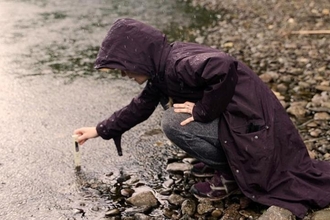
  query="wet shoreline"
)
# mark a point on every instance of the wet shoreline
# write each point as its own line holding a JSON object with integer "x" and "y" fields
{"x": 48, "y": 90}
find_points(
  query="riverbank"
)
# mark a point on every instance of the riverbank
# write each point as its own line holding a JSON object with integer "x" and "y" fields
{"x": 266, "y": 36}
{"x": 287, "y": 45}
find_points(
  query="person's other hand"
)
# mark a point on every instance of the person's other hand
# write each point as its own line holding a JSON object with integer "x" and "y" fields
{"x": 85, "y": 133}
{"x": 186, "y": 107}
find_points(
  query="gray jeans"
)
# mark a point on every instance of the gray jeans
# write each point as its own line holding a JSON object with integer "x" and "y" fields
{"x": 200, "y": 140}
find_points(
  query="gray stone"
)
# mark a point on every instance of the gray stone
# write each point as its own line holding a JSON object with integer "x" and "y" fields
{"x": 175, "y": 199}
{"x": 188, "y": 207}
{"x": 205, "y": 207}
{"x": 178, "y": 167}
{"x": 277, "y": 213}
{"x": 112, "y": 212}
{"x": 143, "y": 199}
{"x": 321, "y": 215}
{"x": 134, "y": 210}
{"x": 321, "y": 116}
{"x": 323, "y": 88}
{"x": 298, "y": 111}
{"x": 168, "y": 183}
{"x": 140, "y": 216}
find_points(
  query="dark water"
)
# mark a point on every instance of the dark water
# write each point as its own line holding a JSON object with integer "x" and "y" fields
{"x": 48, "y": 88}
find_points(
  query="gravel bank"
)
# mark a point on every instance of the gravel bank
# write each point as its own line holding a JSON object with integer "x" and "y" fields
{"x": 287, "y": 43}
{"x": 263, "y": 34}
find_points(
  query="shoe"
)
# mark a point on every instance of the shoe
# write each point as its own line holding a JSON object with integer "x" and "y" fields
{"x": 219, "y": 187}
{"x": 202, "y": 170}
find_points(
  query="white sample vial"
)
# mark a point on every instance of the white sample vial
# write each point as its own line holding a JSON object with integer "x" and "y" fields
{"x": 76, "y": 153}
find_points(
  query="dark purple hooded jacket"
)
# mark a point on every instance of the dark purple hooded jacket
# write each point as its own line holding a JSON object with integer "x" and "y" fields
{"x": 264, "y": 149}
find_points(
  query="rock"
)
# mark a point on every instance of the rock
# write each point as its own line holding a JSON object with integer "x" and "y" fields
{"x": 326, "y": 104}
{"x": 200, "y": 40}
{"x": 244, "y": 202}
{"x": 266, "y": 78}
{"x": 323, "y": 88}
{"x": 277, "y": 213}
{"x": 304, "y": 85}
{"x": 228, "y": 44}
{"x": 165, "y": 192}
{"x": 188, "y": 207}
{"x": 140, "y": 216}
{"x": 295, "y": 71}
{"x": 216, "y": 213}
{"x": 321, "y": 215}
{"x": 143, "y": 199}
{"x": 321, "y": 116}
{"x": 205, "y": 207}
{"x": 312, "y": 154}
{"x": 95, "y": 208}
{"x": 168, "y": 183}
{"x": 123, "y": 177}
{"x": 178, "y": 167}
{"x": 189, "y": 160}
{"x": 168, "y": 213}
{"x": 297, "y": 110}
{"x": 78, "y": 211}
{"x": 231, "y": 212}
{"x": 112, "y": 212}
{"x": 175, "y": 199}
{"x": 132, "y": 180}
{"x": 326, "y": 156}
{"x": 312, "y": 124}
{"x": 282, "y": 87}
{"x": 315, "y": 132}
{"x": 134, "y": 210}
{"x": 126, "y": 192}
{"x": 278, "y": 95}
{"x": 326, "y": 11}
{"x": 317, "y": 100}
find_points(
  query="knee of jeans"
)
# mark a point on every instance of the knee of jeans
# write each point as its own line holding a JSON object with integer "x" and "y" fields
{"x": 168, "y": 125}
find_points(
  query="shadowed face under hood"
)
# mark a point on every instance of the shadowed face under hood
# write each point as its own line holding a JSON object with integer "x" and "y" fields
{"x": 132, "y": 46}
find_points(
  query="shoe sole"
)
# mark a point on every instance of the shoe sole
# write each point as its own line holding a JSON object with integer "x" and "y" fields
{"x": 202, "y": 174}
{"x": 200, "y": 198}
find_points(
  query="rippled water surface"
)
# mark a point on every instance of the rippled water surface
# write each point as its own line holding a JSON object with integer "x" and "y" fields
{"x": 48, "y": 88}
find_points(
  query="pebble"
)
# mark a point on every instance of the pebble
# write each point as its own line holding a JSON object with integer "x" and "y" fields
{"x": 321, "y": 116}
{"x": 175, "y": 199}
{"x": 143, "y": 199}
{"x": 188, "y": 207}
{"x": 277, "y": 213}
{"x": 112, "y": 212}
{"x": 178, "y": 167}
{"x": 205, "y": 207}
{"x": 168, "y": 183}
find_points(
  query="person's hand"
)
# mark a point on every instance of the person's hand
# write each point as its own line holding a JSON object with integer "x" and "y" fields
{"x": 85, "y": 133}
{"x": 186, "y": 107}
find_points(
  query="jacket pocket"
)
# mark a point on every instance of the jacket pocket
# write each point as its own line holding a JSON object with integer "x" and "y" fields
{"x": 256, "y": 156}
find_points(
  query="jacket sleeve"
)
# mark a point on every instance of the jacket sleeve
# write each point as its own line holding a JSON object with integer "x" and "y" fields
{"x": 218, "y": 74}
{"x": 137, "y": 111}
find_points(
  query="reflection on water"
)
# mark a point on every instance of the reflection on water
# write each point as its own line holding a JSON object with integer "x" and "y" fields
{"x": 66, "y": 34}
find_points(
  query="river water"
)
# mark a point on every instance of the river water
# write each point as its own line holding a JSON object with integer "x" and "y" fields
{"x": 48, "y": 88}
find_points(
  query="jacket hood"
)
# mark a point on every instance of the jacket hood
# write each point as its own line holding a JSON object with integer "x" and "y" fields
{"x": 133, "y": 46}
